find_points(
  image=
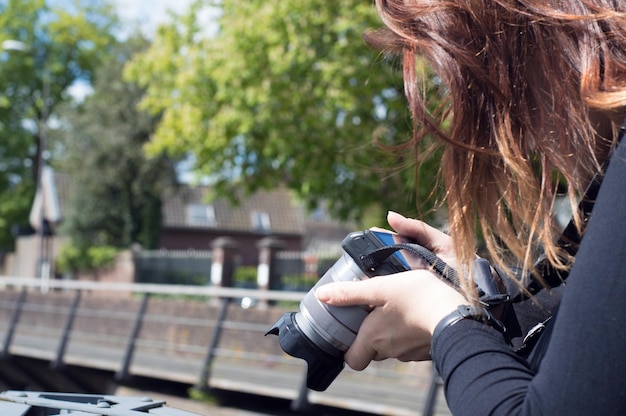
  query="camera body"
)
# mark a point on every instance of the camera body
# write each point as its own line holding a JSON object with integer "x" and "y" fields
{"x": 319, "y": 333}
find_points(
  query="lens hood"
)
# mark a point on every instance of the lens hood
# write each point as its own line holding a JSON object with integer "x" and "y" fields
{"x": 323, "y": 368}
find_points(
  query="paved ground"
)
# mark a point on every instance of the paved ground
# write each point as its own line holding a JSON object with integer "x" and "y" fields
{"x": 235, "y": 405}
{"x": 253, "y": 366}
{"x": 371, "y": 392}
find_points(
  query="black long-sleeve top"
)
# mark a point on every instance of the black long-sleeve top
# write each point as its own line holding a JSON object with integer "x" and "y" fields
{"x": 583, "y": 370}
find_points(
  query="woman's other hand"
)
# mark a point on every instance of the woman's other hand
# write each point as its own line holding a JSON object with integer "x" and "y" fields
{"x": 407, "y": 306}
{"x": 423, "y": 234}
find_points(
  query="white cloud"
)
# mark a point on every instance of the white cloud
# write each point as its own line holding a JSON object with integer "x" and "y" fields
{"x": 79, "y": 90}
{"x": 148, "y": 14}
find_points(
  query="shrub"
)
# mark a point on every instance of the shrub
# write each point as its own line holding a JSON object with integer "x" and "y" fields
{"x": 245, "y": 276}
{"x": 79, "y": 259}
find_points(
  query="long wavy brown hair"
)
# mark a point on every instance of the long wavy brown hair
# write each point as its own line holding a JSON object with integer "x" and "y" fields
{"x": 534, "y": 92}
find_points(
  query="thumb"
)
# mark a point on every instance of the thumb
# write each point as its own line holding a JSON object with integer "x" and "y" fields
{"x": 362, "y": 292}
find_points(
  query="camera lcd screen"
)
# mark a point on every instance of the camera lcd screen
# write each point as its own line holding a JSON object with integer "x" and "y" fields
{"x": 388, "y": 238}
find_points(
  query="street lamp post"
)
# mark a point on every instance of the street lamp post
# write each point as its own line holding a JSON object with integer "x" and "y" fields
{"x": 42, "y": 265}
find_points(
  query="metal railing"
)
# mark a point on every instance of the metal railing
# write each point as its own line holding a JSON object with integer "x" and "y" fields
{"x": 193, "y": 334}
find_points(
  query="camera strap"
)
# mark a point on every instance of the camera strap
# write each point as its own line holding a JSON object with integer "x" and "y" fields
{"x": 488, "y": 293}
{"x": 569, "y": 240}
{"x": 482, "y": 276}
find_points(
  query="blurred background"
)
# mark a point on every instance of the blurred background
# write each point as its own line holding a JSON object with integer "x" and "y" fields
{"x": 182, "y": 142}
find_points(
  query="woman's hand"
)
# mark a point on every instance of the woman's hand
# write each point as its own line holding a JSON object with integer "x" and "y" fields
{"x": 408, "y": 305}
{"x": 423, "y": 234}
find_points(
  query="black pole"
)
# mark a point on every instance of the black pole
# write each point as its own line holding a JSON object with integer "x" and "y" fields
{"x": 431, "y": 396}
{"x": 203, "y": 380}
{"x": 301, "y": 403}
{"x": 15, "y": 317}
{"x": 58, "y": 360}
{"x": 122, "y": 374}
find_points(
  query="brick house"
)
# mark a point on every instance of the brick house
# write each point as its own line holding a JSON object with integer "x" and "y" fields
{"x": 190, "y": 223}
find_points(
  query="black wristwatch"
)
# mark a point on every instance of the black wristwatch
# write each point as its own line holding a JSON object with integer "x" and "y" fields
{"x": 468, "y": 312}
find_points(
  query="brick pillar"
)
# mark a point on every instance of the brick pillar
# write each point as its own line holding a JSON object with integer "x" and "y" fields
{"x": 267, "y": 256}
{"x": 222, "y": 261}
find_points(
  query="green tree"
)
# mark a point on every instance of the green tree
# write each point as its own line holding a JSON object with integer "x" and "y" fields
{"x": 284, "y": 92}
{"x": 45, "y": 50}
{"x": 116, "y": 191}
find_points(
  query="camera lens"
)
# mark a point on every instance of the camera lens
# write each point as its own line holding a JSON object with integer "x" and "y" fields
{"x": 320, "y": 333}
{"x": 332, "y": 328}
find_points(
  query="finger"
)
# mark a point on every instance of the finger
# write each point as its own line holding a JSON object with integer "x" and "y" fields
{"x": 360, "y": 354}
{"x": 424, "y": 234}
{"x": 363, "y": 292}
{"x": 412, "y": 227}
{"x": 363, "y": 350}
{"x": 375, "y": 341}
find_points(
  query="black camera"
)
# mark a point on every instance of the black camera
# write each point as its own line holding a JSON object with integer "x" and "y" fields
{"x": 320, "y": 334}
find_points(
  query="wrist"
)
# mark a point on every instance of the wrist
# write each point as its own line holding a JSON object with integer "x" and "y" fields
{"x": 463, "y": 312}
{"x": 447, "y": 301}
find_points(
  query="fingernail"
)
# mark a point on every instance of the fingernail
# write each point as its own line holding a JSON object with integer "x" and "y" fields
{"x": 394, "y": 214}
{"x": 322, "y": 293}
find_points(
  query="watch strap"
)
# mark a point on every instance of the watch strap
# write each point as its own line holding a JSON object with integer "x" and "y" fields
{"x": 468, "y": 312}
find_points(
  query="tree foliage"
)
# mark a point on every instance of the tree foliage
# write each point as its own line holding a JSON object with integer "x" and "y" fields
{"x": 116, "y": 191}
{"x": 73, "y": 258}
{"x": 59, "y": 47}
{"x": 283, "y": 92}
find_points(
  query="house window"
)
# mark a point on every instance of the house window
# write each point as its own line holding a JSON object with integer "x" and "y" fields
{"x": 319, "y": 215}
{"x": 260, "y": 221}
{"x": 198, "y": 214}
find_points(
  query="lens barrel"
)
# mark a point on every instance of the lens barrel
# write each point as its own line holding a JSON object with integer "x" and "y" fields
{"x": 320, "y": 333}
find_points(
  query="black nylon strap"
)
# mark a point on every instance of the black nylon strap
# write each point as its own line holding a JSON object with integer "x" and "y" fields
{"x": 570, "y": 238}
{"x": 439, "y": 267}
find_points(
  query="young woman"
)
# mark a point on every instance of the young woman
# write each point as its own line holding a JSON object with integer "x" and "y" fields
{"x": 536, "y": 96}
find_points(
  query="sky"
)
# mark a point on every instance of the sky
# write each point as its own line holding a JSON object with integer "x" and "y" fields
{"x": 149, "y": 13}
